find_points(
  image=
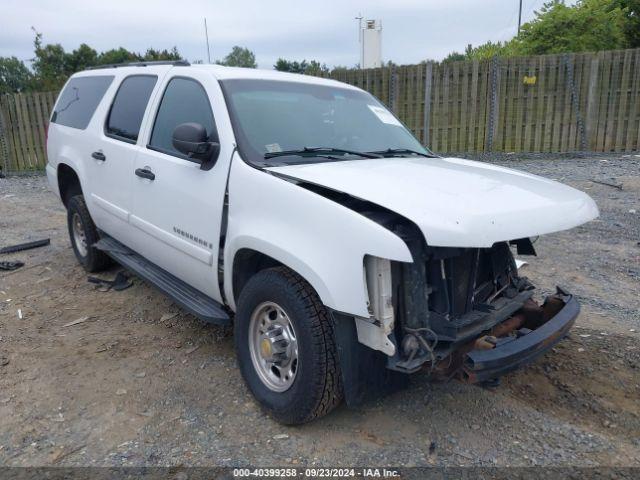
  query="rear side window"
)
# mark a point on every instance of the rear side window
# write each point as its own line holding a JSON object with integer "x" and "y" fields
{"x": 128, "y": 107}
{"x": 184, "y": 100}
{"x": 79, "y": 100}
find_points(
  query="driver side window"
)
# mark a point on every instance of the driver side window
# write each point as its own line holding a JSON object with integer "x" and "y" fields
{"x": 184, "y": 100}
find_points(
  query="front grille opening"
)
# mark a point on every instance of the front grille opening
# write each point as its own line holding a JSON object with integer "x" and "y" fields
{"x": 467, "y": 277}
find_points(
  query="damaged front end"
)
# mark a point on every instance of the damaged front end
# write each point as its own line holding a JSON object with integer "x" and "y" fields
{"x": 460, "y": 313}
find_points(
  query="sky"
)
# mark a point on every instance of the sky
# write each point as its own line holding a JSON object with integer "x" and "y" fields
{"x": 323, "y": 30}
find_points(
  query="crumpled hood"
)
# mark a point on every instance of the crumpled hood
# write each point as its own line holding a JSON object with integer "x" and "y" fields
{"x": 456, "y": 202}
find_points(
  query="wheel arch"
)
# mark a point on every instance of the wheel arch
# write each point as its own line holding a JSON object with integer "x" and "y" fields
{"x": 68, "y": 183}
{"x": 251, "y": 258}
{"x": 246, "y": 263}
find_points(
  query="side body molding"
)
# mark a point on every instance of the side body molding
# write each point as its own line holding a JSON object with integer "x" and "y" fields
{"x": 321, "y": 240}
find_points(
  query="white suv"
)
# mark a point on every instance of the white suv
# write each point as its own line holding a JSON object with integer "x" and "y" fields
{"x": 347, "y": 254}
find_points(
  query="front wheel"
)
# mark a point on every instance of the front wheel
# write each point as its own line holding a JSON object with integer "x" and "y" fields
{"x": 286, "y": 348}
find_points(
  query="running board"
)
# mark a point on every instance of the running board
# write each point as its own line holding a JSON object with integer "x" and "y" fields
{"x": 192, "y": 300}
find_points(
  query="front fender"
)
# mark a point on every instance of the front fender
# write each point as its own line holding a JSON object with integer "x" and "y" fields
{"x": 280, "y": 254}
{"x": 321, "y": 240}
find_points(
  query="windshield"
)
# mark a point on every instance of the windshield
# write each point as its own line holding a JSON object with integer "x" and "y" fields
{"x": 279, "y": 120}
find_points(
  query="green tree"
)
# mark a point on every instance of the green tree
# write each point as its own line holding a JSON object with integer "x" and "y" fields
{"x": 14, "y": 75}
{"x": 312, "y": 67}
{"x": 81, "y": 58}
{"x": 239, "y": 57}
{"x": 589, "y": 25}
{"x": 157, "y": 55}
{"x": 631, "y": 12}
{"x": 118, "y": 55}
{"x": 52, "y": 65}
{"x": 455, "y": 57}
{"x": 316, "y": 68}
{"x": 290, "y": 66}
{"x": 489, "y": 50}
{"x": 49, "y": 65}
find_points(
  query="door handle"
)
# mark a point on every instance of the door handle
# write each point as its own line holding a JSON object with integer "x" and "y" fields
{"x": 145, "y": 173}
{"x": 99, "y": 156}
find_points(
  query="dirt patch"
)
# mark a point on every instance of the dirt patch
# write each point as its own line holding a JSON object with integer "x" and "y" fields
{"x": 139, "y": 382}
{"x": 591, "y": 379}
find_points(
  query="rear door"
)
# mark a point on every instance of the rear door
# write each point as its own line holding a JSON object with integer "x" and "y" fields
{"x": 178, "y": 213}
{"x": 77, "y": 111}
{"x": 111, "y": 158}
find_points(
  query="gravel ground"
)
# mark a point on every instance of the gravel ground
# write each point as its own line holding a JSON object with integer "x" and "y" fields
{"x": 139, "y": 382}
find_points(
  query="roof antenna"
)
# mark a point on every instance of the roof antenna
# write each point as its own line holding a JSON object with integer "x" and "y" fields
{"x": 206, "y": 33}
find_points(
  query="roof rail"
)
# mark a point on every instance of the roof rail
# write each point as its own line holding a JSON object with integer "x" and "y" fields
{"x": 177, "y": 63}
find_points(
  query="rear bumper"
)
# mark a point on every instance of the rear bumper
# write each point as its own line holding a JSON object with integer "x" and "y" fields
{"x": 511, "y": 353}
{"x": 52, "y": 178}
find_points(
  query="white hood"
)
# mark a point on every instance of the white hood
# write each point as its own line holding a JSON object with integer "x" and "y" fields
{"x": 455, "y": 202}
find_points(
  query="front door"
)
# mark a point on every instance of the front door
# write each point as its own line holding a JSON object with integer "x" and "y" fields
{"x": 177, "y": 206}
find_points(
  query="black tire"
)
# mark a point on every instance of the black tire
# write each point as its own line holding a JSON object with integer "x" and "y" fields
{"x": 317, "y": 387}
{"x": 93, "y": 260}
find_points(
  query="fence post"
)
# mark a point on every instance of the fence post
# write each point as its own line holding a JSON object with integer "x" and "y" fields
{"x": 575, "y": 101}
{"x": 4, "y": 142}
{"x": 592, "y": 101}
{"x": 393, "y": 89}
{"x": 493, "y": 102}
{"x": 427, "y": 102}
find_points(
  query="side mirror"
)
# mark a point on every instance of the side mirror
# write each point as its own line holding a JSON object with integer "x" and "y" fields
{"x": 192, "y": 140}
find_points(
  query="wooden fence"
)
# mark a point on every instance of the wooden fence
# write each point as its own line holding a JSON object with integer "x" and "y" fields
{"x": 23, "y": 123}
{"x": 548, "y": 103}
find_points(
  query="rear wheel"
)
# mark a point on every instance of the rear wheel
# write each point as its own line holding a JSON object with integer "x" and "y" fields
{"x": 83, "y": 234}
{"x": 286, "y": 349}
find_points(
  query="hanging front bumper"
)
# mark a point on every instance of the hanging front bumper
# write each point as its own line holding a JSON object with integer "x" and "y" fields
{"x": 512, "y": 352}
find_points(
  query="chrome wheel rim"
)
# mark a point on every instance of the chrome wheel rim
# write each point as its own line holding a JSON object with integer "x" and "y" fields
{"x": 273, "y": 346}
{"x": 78, "y": 235}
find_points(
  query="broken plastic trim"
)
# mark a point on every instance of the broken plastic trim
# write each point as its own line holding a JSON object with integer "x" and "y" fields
{"x": 9, "y": 266}
{"x": 25, "y": 246}
{"x": 375, "y": 335}
{"x": 120, "y": 282}
{"x": 524, "y": 246}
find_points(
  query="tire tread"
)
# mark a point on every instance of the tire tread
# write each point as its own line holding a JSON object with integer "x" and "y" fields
{"x": 95, "y": 260}
{"x": 325, "y": 389}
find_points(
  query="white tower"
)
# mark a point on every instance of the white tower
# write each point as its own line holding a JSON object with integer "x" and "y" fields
{"x": 371, "y": 44}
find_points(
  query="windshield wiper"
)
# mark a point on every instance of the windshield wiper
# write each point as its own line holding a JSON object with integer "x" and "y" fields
{"x": 321, "y": 151}
{"x": 400, "y": 151}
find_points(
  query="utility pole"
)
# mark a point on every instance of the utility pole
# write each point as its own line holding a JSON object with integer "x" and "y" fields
{"x": 206, "y": 33}
{"x": 360, "y": 42}
{"x": 519, "y": 17}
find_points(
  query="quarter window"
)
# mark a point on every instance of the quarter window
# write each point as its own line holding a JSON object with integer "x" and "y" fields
{"x": 128, "y": 107}
{"x": 79, "y": 100}
{"x": 184, "y": 100}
